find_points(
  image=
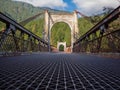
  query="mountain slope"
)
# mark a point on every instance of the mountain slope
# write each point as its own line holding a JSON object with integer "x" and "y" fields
{"x": 20, "y": 11}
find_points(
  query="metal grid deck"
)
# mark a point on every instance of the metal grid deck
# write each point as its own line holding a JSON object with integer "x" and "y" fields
{"x": 59, "y": 72}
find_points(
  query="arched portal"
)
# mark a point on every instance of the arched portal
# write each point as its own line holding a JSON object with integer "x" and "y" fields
{"x": 69, "y": 18}
{"x": 61, "y": 48}
{"x": 60, "y": 32}
{"x": 61, "y": 45}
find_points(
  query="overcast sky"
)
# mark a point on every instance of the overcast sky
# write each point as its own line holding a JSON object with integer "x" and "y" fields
{"x": 86, "y": 6}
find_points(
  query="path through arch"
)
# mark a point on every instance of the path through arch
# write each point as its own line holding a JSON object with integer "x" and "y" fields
{"x": 69, "y": 18}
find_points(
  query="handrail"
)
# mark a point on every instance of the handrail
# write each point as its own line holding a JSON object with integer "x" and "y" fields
{"x": 105, "y": 20}
{"x": 8, "y": 20}
{"x": 101, "y": 38}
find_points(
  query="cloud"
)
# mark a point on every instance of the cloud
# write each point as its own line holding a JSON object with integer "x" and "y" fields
{"x": 94, "y": 6}
{"x": 46, "y": 3}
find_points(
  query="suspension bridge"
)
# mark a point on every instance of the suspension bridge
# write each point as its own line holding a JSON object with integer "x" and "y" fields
{"x": 28, "y": 63}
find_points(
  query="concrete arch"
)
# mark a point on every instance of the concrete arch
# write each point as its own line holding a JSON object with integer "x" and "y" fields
{"x": 57, "y": 21}
{"x": 61, "y": 43}
{"x": 69, "y": 18}
{"x": 63, "y": 22}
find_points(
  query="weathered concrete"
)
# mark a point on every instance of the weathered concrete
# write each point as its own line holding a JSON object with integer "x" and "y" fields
{"x": 70, "y": 19}
{"x": 61, "y": 43}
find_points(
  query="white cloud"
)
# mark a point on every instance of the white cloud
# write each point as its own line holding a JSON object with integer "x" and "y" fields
{"x": 46, "y": 3}
{"x": 94, "y": 6}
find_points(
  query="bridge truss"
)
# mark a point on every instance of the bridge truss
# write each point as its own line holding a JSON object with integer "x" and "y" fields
{"x": 101, "y": 37}
{"x": 15, "y": 39}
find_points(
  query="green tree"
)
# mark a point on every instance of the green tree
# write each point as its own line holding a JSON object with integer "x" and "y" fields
{"x": 60, "y": 32}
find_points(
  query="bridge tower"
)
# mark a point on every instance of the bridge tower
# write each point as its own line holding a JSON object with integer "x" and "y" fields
{"x": 69, "y": 18}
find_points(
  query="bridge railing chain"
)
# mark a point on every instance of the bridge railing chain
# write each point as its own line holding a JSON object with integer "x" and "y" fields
{"x": 103, "y": 37}
{"x": 15, "y": 39}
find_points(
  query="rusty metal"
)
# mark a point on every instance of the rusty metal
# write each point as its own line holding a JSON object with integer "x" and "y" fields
{"x": 101, "y": 38}
{"x": 16, "y": 39}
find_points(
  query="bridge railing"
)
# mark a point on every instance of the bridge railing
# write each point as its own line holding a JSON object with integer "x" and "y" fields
{"x": 103, "y": 37}
{"x": 15, "y": 39}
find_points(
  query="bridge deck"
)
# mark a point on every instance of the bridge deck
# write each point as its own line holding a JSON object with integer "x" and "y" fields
{"x": 59, "y": 71}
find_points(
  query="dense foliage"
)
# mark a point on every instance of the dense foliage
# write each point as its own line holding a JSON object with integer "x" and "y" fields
{"x": 84, "y": 25}
{"x": 36, "y": 26}
{"x": 61, "y": 32}
{"x": 20, "y": 11}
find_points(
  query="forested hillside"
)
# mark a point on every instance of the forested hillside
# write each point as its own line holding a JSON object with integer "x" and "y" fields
{"x": 17, "y": 10}
{"x": 36, "y": 26}
{"x": 60, "y": 31}
{"x": 20, "y": 11}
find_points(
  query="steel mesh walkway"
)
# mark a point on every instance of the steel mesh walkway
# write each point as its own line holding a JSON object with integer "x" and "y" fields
{"x": 59, "y": 72}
